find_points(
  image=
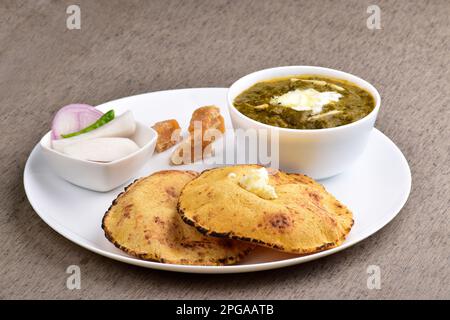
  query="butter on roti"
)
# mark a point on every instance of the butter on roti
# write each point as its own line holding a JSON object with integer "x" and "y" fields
{"x": 301, "y": 218}
{"x": 143, "y": 221}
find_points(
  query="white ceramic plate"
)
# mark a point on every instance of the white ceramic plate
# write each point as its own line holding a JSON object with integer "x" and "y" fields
{"x": 375, "y": 188}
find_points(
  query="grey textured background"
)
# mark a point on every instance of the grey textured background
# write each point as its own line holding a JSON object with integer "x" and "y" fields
{"x": 131, "y": 47}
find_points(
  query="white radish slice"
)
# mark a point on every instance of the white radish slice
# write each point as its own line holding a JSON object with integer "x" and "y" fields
{"x": 73, "y": 118}
{"x": 101, "y": 149}
{"x": 122, "y": 126}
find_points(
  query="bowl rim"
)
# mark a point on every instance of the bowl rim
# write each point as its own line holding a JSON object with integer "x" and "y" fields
{"x": 46, "y": 136}
{"x": 372, "y": 90}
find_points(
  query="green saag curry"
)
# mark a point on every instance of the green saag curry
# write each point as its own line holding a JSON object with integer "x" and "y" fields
{"x": 305, "y": 102}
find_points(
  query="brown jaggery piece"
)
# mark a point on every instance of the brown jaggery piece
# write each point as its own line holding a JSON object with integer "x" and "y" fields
{"x": 198, "y": 143}
{"x": 168, "y": 134}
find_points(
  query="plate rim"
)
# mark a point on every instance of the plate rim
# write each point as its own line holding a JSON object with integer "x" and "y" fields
{"x": 87, "y": 244}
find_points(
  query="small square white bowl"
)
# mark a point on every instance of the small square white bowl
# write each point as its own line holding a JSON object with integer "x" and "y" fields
{"x": 100, "y": 176}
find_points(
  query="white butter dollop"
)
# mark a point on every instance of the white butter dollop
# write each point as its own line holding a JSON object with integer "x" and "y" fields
{"x": 306, "y": 100}
{"x": 232, "y": 175}
{"x": 257, "y": 182}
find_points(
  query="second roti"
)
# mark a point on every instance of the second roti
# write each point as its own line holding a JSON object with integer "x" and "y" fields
{"x": 303, "y": 219}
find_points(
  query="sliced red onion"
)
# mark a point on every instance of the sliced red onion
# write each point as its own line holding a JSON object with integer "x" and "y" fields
{"x": 72, "y": 118}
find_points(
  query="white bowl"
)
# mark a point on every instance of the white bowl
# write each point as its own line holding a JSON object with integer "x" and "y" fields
{"x": 102, "y": 176}
{"x": 318, "y": 153}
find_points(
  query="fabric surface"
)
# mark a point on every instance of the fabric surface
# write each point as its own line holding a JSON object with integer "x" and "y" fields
{"x": 129, "y": 47}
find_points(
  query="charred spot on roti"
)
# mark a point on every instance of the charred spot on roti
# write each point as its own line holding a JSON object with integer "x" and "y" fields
{"x": 127, "y": 210}
{"x": 278, "y": 221}
{"x": 126, "y": 214}
{"x": 158, "y": 220}
{"x": 171, "y": 192}
{"x": 315, "y": 197}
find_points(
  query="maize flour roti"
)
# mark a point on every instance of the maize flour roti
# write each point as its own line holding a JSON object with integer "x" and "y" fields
{"x": 287, "y": 212}
{"x": 143, "y": 221}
